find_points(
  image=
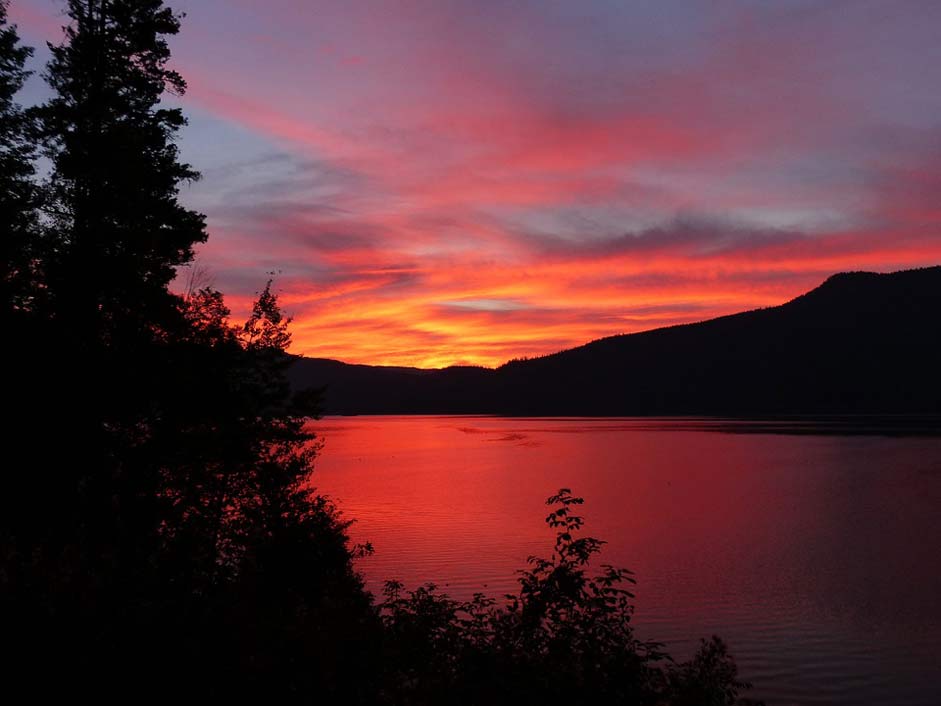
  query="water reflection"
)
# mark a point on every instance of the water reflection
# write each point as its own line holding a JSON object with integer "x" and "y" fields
{"x": 814, "y": 555}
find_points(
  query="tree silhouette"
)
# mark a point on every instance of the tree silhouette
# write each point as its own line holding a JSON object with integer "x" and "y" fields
{"x": 17, "y": 190}
{"x": 82, "y": 533}
{"x": 172, "y": 522}
{"x": 286, "y": 613}
{"x": 119, "y": 229}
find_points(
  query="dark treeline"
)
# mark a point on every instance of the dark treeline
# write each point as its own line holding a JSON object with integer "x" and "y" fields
{"x": 159, "y": 536}
{"x": 860, "y": 344}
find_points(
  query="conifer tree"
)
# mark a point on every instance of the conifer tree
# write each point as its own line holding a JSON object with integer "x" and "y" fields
{"x": 120, "y": 229}
{"x": 17, "y": 192}
{"x": 91, "y": 508}
{"x": 115, "y": 234}
{"x": 182, "y": 503}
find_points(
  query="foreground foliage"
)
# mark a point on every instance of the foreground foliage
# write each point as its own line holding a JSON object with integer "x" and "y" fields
{"x": 565, "y": 637}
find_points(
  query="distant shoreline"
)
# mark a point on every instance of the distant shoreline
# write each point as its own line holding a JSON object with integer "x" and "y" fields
{"x": 902, "y": 425}
{"x": 858, "y": 352}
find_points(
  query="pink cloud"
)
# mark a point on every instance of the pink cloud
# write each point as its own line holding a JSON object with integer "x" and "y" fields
{"x": 514, "y": 183}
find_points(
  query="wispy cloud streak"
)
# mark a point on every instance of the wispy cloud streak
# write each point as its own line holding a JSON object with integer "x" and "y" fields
{"x": 466, "y": 182}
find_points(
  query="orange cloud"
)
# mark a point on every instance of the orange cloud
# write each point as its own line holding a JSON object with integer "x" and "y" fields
{"x": 447, "y": 185}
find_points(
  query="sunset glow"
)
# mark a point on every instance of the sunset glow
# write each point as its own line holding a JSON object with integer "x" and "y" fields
{"x": 467, "y": 182}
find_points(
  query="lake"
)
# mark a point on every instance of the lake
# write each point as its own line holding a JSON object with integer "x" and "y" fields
{"x": 816, "y": 557}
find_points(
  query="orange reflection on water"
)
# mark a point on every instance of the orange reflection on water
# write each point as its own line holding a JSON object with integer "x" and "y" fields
{"x": 795, "y": 548}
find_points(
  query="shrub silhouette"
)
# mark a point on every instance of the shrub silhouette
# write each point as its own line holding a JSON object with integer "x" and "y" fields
{"x": 566, "y": 637}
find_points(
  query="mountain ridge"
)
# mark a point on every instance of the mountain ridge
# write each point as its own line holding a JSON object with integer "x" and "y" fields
{"x": 859, "y": 343}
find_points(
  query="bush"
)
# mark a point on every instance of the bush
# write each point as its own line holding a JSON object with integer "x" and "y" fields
{"x": 565, "y": 637}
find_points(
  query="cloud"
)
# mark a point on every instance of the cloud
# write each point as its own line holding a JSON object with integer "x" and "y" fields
{"x": 475, "y": 181}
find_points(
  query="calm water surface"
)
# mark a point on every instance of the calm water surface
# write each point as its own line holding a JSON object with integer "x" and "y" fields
{"x": 818, "y": 558}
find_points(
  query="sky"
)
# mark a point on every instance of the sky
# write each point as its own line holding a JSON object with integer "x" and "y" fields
{"x": 466, "y": 182}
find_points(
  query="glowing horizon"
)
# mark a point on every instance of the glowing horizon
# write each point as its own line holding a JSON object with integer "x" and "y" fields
{"x": 469, "y": 182}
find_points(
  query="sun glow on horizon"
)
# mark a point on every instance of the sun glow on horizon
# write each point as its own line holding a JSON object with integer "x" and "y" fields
{"x": 466, "y": 183}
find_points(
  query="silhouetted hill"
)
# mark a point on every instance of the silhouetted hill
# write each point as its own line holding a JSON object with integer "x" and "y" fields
{"x": 861, "y": 343}
{"x": 367, "y": 389}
